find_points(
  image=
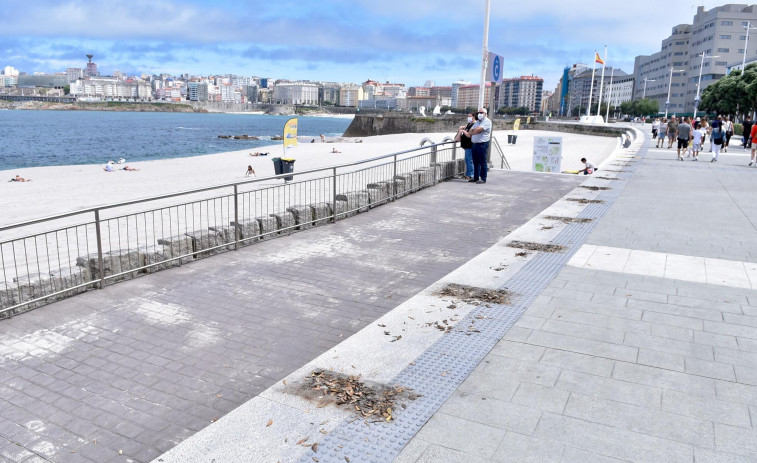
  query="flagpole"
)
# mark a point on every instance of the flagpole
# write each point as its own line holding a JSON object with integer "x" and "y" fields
{"x": 601, "y": 85}
{"x": 609, "y": 95}
{"x": 591, "y": 89}
{"x": 484, "y": 58}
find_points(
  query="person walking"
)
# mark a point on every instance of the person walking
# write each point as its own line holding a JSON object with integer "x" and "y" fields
{"x": 655, "y": 127}
{"x": 747, "y": 131}
{"x": 717, "y": 138}
{"x": 661, "y": 131}
{"x": 753, "y": 140}
{"x": 467, "y": 145}
{"x": 481, "y": 133}
{"x": 697, "y": 135}
{"x": 683, "y": 134}
{"x": 728, "y": 127}
{"x": 672, "y": 130}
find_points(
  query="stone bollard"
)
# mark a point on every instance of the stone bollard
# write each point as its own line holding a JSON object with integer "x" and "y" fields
{"x": 249, "y": 231}
{"x": 227, "y": 235}
{"x": 114, "y": 262}
{"x": 201, "y": 241}
{"x": 447, "y": 169}
{"x": 321, "y": 213}
{"x": 408, "y": 183}
{"x": 425, "y": 176}
{"x": 357, "y": 201}
{"x": 460, "y": 168}
{"x": 69, "y": 277}
{"x": 268, "y": 227}
{"x": 378, "y": 193}
{"x": 303, "y": 216}
{"x": 176, "y": 246}
{"x": 8, "y": 298}
{"x": 285, "y": 222}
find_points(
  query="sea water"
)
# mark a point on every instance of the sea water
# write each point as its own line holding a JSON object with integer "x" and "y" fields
{"x": 55, "y": 138}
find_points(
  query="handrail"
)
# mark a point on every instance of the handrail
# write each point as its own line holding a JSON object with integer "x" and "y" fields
{"x": 203, "y": 189}
{"x": 504, "y": 164}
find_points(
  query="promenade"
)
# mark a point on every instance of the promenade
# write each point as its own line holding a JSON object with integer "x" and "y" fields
{"x": 125, "y": 373}
{"x": 637, "y": 342}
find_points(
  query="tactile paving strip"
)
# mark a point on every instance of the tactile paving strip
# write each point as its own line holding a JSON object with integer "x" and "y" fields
{"x": 440, "y": 370}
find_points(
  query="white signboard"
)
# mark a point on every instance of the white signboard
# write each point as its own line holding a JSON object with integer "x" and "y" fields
{"x": 547, "y": 154}
{"x": 494, "y": 67}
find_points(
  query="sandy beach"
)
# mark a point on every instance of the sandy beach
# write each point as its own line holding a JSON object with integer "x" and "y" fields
{"x": 68, "y": 188}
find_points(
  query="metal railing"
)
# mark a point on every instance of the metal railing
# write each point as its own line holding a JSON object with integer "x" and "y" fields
{"x": 54, "y": 257}
{"x": 496, "y": 146}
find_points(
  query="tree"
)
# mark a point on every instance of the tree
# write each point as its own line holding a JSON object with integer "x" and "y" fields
{"x": 734, "y": 94}
{"x": 643, "y": 107}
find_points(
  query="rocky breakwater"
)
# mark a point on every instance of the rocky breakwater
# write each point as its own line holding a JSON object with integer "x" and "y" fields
{"x": 99, "y": 106}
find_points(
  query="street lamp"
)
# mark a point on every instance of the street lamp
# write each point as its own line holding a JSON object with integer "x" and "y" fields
{"x": 646, "y": 79}
{"x": 670, "y": 85}
{"x": 699, "y": 83}
{"x": 748, "y": 27}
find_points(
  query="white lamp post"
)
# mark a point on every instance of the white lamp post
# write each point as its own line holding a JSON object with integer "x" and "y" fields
{"x": 699, "y": 83}
{"x": 670, "y": 85}
{"x": 644, "y": 94}
{"x": 748, "y": 27}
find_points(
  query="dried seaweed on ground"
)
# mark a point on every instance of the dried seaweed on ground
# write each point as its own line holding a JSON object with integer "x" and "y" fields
{"x": 610, "y": 170}
{"x": 475, "y": 294}
{"x": 536, "y": 246}
{"x": 595, "y": 188}
{"x": 369, "y": 401}
{"x": 547, "y": 227}
{"x": 521, "y": 254}
{"x": 608, "y": 178}
{"x": 568, "y": 219}
{"x": 586, "y": 201}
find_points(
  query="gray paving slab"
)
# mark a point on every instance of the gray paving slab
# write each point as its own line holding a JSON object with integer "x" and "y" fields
{"x": 644, "y": 368}
{"x": 128, "y": 372}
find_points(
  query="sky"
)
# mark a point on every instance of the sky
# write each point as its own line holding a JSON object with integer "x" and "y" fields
{"x": 408, "y": 41}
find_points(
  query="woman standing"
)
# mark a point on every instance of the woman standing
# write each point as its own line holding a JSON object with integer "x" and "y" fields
{"x": 463, "y": 136}
{"x": 728, "y": 127}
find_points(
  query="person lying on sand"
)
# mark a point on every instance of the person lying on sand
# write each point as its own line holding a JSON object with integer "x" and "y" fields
{"x": 19, "y": 178}
{"x": 258, "y": 154}
{"x": 130, "y": 169}
{"x": 109, "y": 167}
{"x": 334, "y": 150}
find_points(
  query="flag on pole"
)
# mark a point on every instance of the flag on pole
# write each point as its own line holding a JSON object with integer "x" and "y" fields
{"x": 597, "y": 59}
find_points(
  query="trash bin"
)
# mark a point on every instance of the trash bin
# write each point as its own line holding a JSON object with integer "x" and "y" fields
{"x": 277, "y": 166}
{"x": 287, "y": 167}
{"x": 515, "y": 138}
{"x": 509, "y": 139}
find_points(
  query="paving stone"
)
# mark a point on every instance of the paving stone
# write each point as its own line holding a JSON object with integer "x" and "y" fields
{"x": 661, "y": 360}
{"x": 578, "y": 362}
{"x": 612, "y": 442}
{"x": 573, "y": 454}
{"x": 466, "y": 436}
{"x": 612, "y": 389}
{"x": 736, "y": 440}
{"x": 517, "y": 447}
{"x": 583, "y": 346}
{"x": 538, "y": 397}
{"x": 706, "y": 408}
{"x": 520, "y": 371}
{"x": 672, "y": 426}
{"x": 518, "y": 350}
{"x": 710, "y": 369}
{"x": 481, "y": 408}
{"x": 664, "y": 379}
{"x": 670, "y": 346}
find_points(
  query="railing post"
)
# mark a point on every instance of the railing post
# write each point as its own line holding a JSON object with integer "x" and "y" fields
{"x": 394, "y": 180}
{"x": 99, "y": 249}
{"x": 433, "y": 163}
{"x": 333, "y": 193}
{"x": 236, "y": 218}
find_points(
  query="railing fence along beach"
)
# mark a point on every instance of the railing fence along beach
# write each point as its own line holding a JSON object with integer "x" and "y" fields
{"x": 55, "y": 257}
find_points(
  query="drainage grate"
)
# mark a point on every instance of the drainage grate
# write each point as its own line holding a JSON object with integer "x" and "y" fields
{"x": 438, "y": 372}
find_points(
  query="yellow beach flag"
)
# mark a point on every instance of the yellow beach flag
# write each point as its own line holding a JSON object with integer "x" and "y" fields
{"x": 516, "y": 124}
{"x": 290, "y": 133}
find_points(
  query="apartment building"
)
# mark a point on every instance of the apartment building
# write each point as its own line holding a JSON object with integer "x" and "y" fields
{"x": 719, "y": 33}
{"x": 523, "y": 91}
{"x": 303, "y": 93}
{"x": 467, "y": 95}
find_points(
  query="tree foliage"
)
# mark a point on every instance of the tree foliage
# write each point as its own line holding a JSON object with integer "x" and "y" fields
{"x": 642, "y": 107}
{"x": 734, "y": 94}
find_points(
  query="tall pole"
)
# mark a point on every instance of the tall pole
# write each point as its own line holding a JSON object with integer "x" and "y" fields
{"x": 484, "y": 56}
{"x": 644, "y": 94}
{"x": 699, "y": 83}
{"x": 601, "y": 85}
{"x": 609, "y": 94}
{"x": 591, "y": 89}
{"x": 746, "y": 44}
{"x": 670, "y": 84}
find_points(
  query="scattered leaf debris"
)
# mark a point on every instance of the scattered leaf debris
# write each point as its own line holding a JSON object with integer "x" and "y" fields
{"x": 475, "y": 294}
{"x": 314, "y": 447}
{"x": 595, "y": 188}
{"x": 536, "y": 246}
{"x": 568, "y": 219}
{"x": 521, "y": 254}
{"x": 547, "y": 227}
{"x": 586, "y": 201}
{"x": 614, "y": 170}
{"x": 375, "y": 401}
{"x": 270, "y": 422}
{"x": 396, "y": 338}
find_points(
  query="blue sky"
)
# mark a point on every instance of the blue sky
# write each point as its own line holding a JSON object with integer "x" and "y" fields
{"x": 334, "y": 40}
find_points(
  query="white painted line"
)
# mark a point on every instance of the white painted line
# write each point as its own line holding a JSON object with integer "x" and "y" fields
{"x": 726, "y": 273}
{"x": 646, "y": 263}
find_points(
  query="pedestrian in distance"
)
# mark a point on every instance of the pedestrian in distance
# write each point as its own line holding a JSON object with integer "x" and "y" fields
{"x": 672, "y": 130}
{"x": 717, "y": 138}
{"x": 588, "y": 169}
{"x": 747, "y": 132}
{"x": 753, "y": 140}
{"x": 728, "y": 127}
{"x": 683, "y": 134}
{"x": 655, "y": 128}
{"x": 661, "y": 131}
{"x": 463, "y": 136}
{"x": 698, "y": 137}
{"x": 481, "y": 133}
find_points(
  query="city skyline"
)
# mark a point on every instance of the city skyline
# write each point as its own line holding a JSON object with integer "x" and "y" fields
{"x": 334, "y": 40}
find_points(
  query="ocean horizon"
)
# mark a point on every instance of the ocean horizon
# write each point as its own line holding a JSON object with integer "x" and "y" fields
{"x": 42, "y": 138}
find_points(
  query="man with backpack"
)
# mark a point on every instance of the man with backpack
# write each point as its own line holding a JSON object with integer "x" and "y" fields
{"x": 717, "y": 138}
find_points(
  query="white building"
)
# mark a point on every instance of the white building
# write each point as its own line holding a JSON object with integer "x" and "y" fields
{"x": 303, "y": 93}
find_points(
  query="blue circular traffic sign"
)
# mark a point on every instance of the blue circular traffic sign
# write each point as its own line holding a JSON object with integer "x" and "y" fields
{"x": 496, "y": 69}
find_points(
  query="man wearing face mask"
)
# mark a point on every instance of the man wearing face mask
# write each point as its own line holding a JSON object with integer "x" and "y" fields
{"x": 481, "y": 133}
